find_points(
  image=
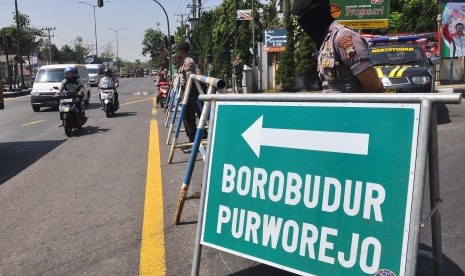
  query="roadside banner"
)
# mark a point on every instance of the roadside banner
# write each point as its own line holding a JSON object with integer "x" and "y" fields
{"x": 362, "y": 14}
{"x": 35, "y": 61}
{"x": 313, "y": 188}
{"x": 452, "y": 36}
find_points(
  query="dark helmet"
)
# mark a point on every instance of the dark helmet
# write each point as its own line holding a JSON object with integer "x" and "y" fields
{"x": 314, "y": 16}
{"x": 70, "y": 72}
{"x": 184, "y": 46}
{"x": 300, "y": 7}
{"x": 107, "y": 72}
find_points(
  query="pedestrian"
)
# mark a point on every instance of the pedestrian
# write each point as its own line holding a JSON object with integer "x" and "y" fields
{"x": 192, "y": 107}
{"x": 343, "y": 62}
{"x": 238, "y": 67}
{"x": 209, "y": 67}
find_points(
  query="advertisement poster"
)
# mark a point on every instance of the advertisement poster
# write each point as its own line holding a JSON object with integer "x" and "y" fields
{"x": 452, "y": 22}
{"x": 361, "y": 14}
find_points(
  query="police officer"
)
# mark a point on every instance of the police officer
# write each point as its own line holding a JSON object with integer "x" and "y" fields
{"x": 343, "y": 62}
{"x": 192, "y": 107}
{"x": 208, "y": 65}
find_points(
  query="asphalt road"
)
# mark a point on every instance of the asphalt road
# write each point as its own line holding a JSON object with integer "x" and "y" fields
{"x": 75, "y": 206}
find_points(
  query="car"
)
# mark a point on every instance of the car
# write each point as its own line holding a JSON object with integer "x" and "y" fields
{"x": 50, "y": 76}
{"x": 139, "y": 72}
{"x": 123, "y": 72}
{"x": 153, "y": 73}
{"x": 95, "y": 73}
{"x": 403, "y": 67}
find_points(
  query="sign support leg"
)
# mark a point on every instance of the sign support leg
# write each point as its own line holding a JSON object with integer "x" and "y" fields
{"x": 198, "y": 234}
{"x": 433, "y": 159}
{"x": 193, "y": 156}
{"x": 417, "y": 197}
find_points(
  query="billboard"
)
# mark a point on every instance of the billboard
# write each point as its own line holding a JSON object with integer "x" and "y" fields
{"x": 452, "y": 20}
{"x": 361, "y": 14}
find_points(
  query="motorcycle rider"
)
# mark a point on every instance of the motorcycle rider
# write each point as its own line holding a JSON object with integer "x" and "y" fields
{"x": 161, "y": 78}
{"x": 107, "y": 72}
{"x": 72, "y": 78}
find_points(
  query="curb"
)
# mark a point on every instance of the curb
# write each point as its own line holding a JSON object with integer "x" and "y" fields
{"x": 16, "y": 94}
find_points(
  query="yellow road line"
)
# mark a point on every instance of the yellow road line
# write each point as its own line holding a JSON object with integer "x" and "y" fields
{"x": 152, "y": 253}
{"x": 33, "y": 123}
{"x": 137, "y": 101}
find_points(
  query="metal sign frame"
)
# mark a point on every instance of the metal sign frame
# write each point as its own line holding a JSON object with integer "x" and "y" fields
{"x": 426, "y": 147}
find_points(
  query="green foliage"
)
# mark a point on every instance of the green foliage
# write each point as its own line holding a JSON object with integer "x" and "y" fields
{"x": 418, "y": 16}
{"x": 81, "y": 51}
{"x": 153, "y": 45}
{"x": 218, "y": 33}
{"x": 31, "y": 40}
{"x": 305, "y": 62}
{"x": 67, "y": 54}
{"x": 285, "y": 73}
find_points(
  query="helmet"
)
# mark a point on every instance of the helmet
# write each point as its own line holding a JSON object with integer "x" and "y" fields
{"x": 107, "y": 72}
{"x": 70, "y": 72}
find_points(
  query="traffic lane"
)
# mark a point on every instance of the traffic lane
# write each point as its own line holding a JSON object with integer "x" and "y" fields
{"x": 78, "y": 209}
{"x": 215, "y": 262}
{"x": 25, "y": 136}
{"x": 451, "y": 133}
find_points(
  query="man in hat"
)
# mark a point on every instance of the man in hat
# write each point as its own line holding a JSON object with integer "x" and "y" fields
{"x": 208, "y": 65}
{"x": 238, "y": 67}
{"x": 343, "y": 62}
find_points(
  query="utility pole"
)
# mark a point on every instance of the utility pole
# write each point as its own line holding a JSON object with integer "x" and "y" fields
{"x": 182, "y": 17}
{"x": 20, "y": 58}
{"x": 92, "y": 48}
{"x": 100, "y": 3}
{"x": 49, "y": 42}
{"x": 194, "y": 9}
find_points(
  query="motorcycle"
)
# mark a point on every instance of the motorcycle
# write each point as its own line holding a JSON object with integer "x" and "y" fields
{"x": 73, "y": 119}
{"x": 107, "y": 96}
{"x": 163, "y": 88}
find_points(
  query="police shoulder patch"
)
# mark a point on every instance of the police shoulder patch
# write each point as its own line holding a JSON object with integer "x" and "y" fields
{"x": 347, "y": 45}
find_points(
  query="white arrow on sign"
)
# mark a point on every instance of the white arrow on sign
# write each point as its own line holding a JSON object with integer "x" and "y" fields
{"x": 341, "y": 142}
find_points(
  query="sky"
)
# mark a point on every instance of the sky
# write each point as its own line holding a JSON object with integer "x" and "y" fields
{"x": 130, "y": 17}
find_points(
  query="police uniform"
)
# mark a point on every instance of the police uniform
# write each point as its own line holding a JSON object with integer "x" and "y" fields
{"x": 343, "y": 55}
{"x": 192, "y": 108}
{"x": 189, "y": 67}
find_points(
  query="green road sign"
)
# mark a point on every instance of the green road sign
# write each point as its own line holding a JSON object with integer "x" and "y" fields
{"x": 313, "y": 188}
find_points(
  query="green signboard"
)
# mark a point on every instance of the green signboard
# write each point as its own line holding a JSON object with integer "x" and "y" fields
{"x": 313, "y": 188}
{"x": 362, "y": 14}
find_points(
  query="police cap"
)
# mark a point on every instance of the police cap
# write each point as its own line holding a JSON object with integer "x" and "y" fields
{"x": 300, "y": 7}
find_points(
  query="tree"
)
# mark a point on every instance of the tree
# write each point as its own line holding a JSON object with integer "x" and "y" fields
{"x": 153, "y": 45}
{"x": 28, "y": 36}
{"x": 107, "y": 53}
{"x": 81, "y": 51}
{"x": 305, "y": 60}
{"x": 285, "y": 74}
{"x": 68, "y": 54}
{"x": 413, "y": 21}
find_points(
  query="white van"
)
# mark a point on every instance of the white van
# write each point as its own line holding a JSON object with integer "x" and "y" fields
{"x": 95, "y": 73}
{"x": 49, "y": 76}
